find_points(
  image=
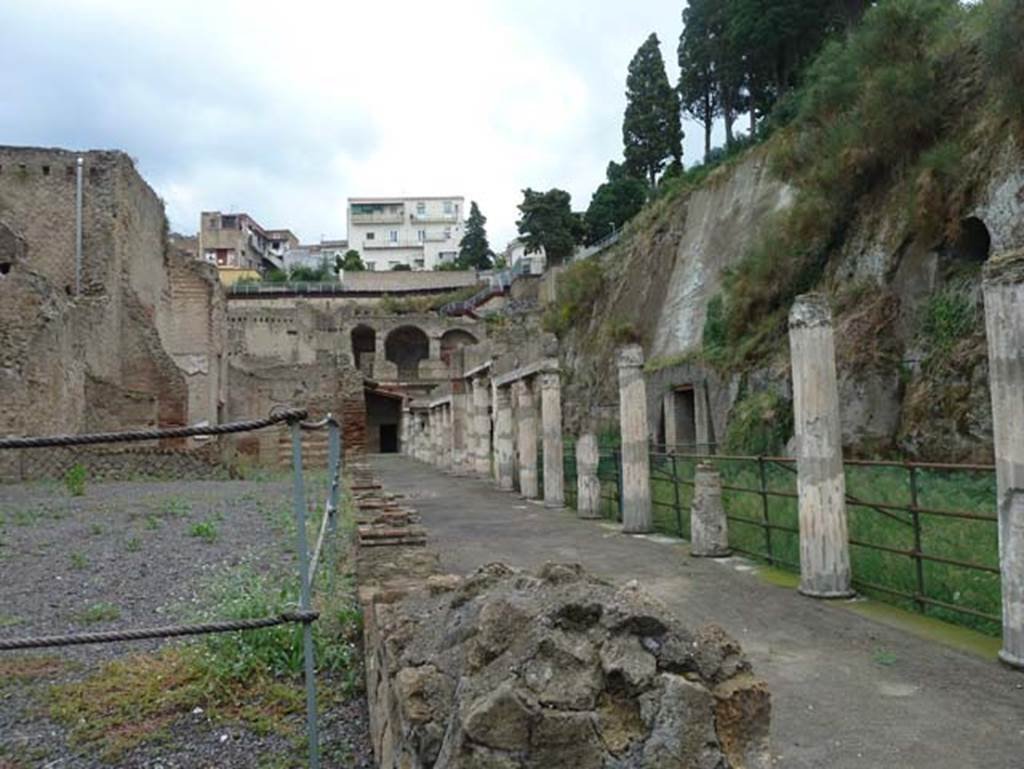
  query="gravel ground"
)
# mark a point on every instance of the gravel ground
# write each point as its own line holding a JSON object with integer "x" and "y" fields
{"x": 136, "y": 555}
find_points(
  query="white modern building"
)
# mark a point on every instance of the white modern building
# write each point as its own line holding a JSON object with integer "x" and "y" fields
{"x": 420, "y": 233}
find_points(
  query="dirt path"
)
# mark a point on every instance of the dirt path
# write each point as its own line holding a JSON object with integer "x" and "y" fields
{"x": 848, "y": 692}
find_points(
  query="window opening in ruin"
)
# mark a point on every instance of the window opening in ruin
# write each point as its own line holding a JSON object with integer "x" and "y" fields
{"x": 5, "y": 268}
{"x": 383, "y": 417}
{"x": 364, "y": 348}
{"x": 46, "y": 170}
{"x": 684, "y": 417}
{"x": 406, "y": 347}
{"x": 974, "y": 242}
{"x": 454, "y": 340}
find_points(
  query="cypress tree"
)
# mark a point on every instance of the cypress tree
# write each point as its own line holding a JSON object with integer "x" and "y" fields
{"x": 474, "y": 250}
{"x": 651, "y": 129}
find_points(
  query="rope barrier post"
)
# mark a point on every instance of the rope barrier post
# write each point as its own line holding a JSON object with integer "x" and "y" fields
{"x": 334, "y": 470}
{"x": 299, "y": 504}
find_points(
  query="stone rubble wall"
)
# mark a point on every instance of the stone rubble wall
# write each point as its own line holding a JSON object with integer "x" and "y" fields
{"x": 508, "y": 669}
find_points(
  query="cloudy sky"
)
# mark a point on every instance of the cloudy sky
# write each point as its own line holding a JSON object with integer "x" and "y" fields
{"x": 284, "y": 110}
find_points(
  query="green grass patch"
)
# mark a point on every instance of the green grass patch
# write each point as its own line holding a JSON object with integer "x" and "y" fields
{"x": 74, "y": 480}
{"x": 204, "y": 530}
{"x": 99, "y": 612}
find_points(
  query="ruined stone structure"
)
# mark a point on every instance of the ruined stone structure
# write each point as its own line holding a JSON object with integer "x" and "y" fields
{"x": 142, "y": 345}
{"x": 709, "y": 528}
{"x": 636, "y": 470}
{"x": 557, "y": 669}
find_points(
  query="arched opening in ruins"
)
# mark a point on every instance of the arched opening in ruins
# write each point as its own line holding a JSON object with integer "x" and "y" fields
{"x": 364, "y": 348}
{"x": 974, "y": 243}
{"x": 454, "y": 340}
{"x": 406, "y": 346}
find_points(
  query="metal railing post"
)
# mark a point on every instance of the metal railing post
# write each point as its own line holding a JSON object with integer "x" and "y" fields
{"x": 675, "y": 495}
{"x": 918, "y": 562}
{"x": 764, "y": 510}
{"x": 617, "y": 454}
{"x": 305, "y": 601}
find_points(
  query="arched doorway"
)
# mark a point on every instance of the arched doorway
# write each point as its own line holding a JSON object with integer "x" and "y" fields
{"x": 454, "y": 340}
{"x": 364, "y": 348}
{"x": 406, "y": 346}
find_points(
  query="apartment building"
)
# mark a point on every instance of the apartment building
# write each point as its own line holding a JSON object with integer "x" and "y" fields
{"x": 420, "y": 233}
{"x": 314, "y": 254}
{"x": 238, "y": 242}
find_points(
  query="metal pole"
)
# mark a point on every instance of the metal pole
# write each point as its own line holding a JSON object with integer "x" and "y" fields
{"x": 918, "y": 563}
{"x": 675, "y": 495}
{"x": 764, "y": 510}
{"x": 334, "y": 469}
{"x": 299, "y": 504}
{"x": 78, "y": 226}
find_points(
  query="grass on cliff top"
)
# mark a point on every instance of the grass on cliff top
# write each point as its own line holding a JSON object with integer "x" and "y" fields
{"x": 251, "y": 678}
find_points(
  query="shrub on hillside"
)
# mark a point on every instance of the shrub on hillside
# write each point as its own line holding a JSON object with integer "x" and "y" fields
{"x": 578, "y": 288}
{"x": 1002, "y": 31}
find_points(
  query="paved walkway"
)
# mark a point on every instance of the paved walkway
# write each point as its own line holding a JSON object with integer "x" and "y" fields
{"x": 847, "y": 691}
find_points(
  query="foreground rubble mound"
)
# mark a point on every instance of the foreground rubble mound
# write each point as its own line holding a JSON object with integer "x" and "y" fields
{"x": 559, "y": 669}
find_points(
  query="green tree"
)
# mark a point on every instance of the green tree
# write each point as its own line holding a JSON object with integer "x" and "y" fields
{"x": 651, "y": 129}
{"x": 698, "y": 85}
{"x": 614, "y": 203}
{"x": 351, "y": 261}
{"x": 549, "y": 224}
{"x": 474, "y": 250}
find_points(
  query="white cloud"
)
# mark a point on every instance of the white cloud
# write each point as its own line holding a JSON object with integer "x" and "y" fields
{"x": 286, "y": 109}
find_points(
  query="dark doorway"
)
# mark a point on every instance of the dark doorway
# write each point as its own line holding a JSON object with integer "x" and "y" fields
{"x": 684, "y": 417}
{"x": 389, "y": 439}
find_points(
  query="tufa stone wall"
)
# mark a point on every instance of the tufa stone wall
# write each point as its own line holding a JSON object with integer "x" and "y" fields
{"x": 507, "y": 669}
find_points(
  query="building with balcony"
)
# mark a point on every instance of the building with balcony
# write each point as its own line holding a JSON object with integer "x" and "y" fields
{"x": 314, "y": 254}
{"x": 418, "y": 233}
{"x": 237, "y": 243}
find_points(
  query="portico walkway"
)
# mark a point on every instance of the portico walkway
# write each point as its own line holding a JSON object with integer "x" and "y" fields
{"x": 849, "y": 691}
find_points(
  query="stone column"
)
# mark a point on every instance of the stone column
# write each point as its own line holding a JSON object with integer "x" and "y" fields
{"x": 1004, "y": 326}
{"x": 636, "y": 472}
{"x": 405, "y": 432}
{"x": 527, "y": 440}
{"x": 821, "y": 484}
{"x": 503, "y": 448}
{"x": 461, "y": 426}
{"x": 434, "y": 349}
{"x": 551, "y": 427}
{"x": 482, "y": 433}
{"x": 588, "y": 486}
{"x": 709, "y": 530}
{"x": 448, "y": 445}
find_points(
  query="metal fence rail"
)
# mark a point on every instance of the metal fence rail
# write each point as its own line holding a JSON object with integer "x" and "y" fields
{"x": 921, "y": 534}
{"x": 308, "y": 561}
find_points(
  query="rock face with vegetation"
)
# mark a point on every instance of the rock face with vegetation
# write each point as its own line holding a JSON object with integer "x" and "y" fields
{"x": 509, "y": 669}
{"x": 885, "y": 180}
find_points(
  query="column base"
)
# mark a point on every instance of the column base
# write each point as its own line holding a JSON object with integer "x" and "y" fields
{"x": 554, "y": 505}
{"x": 1011, "y": 660}
{"x": 712, "y": 554}
{"x": 828, "y": 595}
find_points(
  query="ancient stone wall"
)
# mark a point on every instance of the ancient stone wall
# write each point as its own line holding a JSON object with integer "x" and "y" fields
{"x": 99, "y": 360}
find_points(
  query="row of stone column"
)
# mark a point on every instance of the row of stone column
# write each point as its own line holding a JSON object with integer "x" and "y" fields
{"x": 517, "y": 448}
{"x": 455, "y": 434}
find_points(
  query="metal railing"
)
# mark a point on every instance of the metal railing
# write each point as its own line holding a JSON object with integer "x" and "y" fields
{"x": 288, "y": 287}
{"x": 308, "y": 560}
{"x": 922, "y": 535}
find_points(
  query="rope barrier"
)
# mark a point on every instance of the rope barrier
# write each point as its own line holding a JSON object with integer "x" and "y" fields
{"x": 276, "y": 417}
{"x": 42, "y": 642}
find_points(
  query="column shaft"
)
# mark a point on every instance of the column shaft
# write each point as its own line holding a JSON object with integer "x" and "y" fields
{"x": 636, "y": 474}
{"x": 551, "y": 420}
{"x": 482, "y": 433}
{"x": 503, "y": 448}
{"x": 527, "y": 440}
{"x": 588, "y": 486}
{"x": 821, "y": 484}
{"x": 1004, "y": 325}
